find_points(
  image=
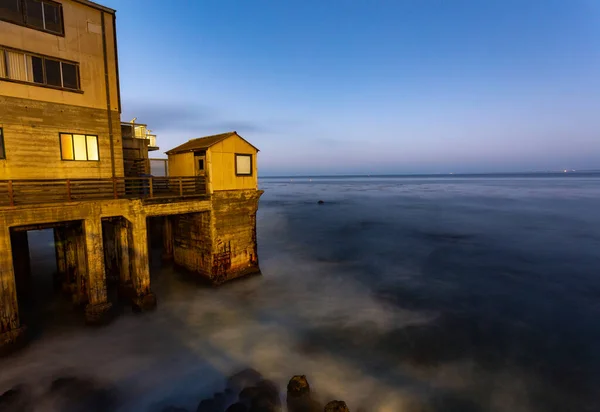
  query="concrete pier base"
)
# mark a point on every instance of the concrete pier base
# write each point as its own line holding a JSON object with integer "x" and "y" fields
{"x": 99, "y": 314}
{"x": 144, "y": 303}
{"x": 13, "y": 340}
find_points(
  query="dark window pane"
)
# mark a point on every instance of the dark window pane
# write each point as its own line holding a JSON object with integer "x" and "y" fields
{"x": 69, "y": 72}
{"x": 11, "y": 10}
{"x": 37, "y": 64}
{"x": 52, "y": 72}
{"x": 33, "y": 13}
{"x": 2, "y": 155}
{"x": 52, "y": 17}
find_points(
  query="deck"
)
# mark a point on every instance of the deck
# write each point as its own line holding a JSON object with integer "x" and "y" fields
{"x": 14, "y": 193}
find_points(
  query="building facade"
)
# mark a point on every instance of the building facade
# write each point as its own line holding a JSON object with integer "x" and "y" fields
{"x": 69, "y": 164}
{"x": 59, "y": 90}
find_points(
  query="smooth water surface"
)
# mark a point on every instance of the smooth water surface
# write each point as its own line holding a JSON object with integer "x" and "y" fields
{"x": 396, "y": 294}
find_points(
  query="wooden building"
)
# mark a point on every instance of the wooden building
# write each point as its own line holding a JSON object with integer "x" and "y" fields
{"x": 227, "y": 161}
{"x": 68, "y": 163}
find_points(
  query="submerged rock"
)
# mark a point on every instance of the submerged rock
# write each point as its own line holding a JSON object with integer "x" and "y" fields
{"x": 15, "y": 400}
{"x": 336, "y": 406}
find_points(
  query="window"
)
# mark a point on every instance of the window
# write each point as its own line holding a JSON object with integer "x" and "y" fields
{"x": 243, "y": 165}
{"x": 201, "y": 164}
{"x": 78, "y": 147}
{"x": 2, "y": 152}
{"x": 25, "y": 67}
{"x": 42, "y": 15}
{"x": 12, "y": 10}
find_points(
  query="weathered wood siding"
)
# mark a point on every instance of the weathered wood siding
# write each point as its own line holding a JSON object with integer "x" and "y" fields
{"x": 181, "y": 164}
{"x": 31, "y": 139}
{"x": 221, "y": 165}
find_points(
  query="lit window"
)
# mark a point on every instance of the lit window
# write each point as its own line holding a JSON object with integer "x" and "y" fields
{"x": 243, "y": 165}
{"x": 2, "y": 152}
{"x": 79, "y": 147}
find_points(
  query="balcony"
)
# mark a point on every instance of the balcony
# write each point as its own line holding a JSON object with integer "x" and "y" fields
{"x": 14, "y": 193}
{"x": 139, "y": 131}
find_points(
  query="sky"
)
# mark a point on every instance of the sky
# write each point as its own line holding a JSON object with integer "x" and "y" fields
{"x": 370, "y": 86}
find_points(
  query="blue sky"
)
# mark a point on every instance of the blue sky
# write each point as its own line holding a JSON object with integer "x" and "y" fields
{"x": 379, "y": 86}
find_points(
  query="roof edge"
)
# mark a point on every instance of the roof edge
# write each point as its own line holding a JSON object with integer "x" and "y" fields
{"x": 96, "y": 6}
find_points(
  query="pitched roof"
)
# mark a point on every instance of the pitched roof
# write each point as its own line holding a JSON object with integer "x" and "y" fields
{"x": 202, "y": 143}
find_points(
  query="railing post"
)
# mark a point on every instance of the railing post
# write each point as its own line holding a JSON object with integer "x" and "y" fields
{"x": 11, "y": 195}
{"x": 115, "y": 193}
{"x": 151, "y": 188}
{"x": 180, "y": 187}
{"x": 69, "y": 190}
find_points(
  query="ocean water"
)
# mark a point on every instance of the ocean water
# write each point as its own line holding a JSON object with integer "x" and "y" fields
{"x": 454, "y": 293}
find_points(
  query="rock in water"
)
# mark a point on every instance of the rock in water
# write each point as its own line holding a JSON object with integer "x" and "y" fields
{"x": 336, "y": 406}
{"x": 320, "y": 202}
{"x": 299, "y": 396}
{"x": 298, "y": 387}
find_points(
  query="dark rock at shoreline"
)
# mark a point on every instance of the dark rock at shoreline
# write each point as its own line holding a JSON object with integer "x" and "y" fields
{"x": 243, "y": 379}
{"x": 237, "y": 407}
{"x": 336, "y": 406}
{"x": 174, "y": 409}
{"x": 73, "y": 394}
{"x": 15, "y": 400}
{"x": 206, "y": 405}
{"x": 263, "y": 397}
{"x": 320, "y": 202}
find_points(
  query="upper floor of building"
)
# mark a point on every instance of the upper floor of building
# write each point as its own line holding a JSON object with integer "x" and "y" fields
{"x": 59, "y": 51}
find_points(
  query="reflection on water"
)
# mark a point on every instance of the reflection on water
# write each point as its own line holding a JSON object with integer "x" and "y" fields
{"x": 395, "y": 294}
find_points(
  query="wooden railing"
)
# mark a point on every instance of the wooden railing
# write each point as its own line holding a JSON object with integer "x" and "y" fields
{"x": 26, "y": 192}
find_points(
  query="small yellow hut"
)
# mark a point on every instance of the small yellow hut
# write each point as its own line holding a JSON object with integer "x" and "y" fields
{"x": 227, "y": 160}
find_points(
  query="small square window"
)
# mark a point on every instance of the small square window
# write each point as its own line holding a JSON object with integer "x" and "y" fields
{"x": 243, "y": 164}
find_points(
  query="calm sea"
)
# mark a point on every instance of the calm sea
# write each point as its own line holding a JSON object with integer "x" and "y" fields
{"x": 439, "y": 293}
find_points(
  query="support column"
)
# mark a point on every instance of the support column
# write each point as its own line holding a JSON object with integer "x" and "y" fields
{"x": 21, "y": 265}
{"x": 126, "y": 291}
{"x": 144, "y": 298}
{"x": 61, "y": 258}
{"x": 167, "y": 234}
{"x": 98, "y": 310}
{"x": 80, "y": 295}
{"x": 12, "y": 333}
{"x": 71, "y": 261}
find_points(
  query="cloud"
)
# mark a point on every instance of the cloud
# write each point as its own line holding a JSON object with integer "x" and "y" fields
{"x": 194, "y": 119}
